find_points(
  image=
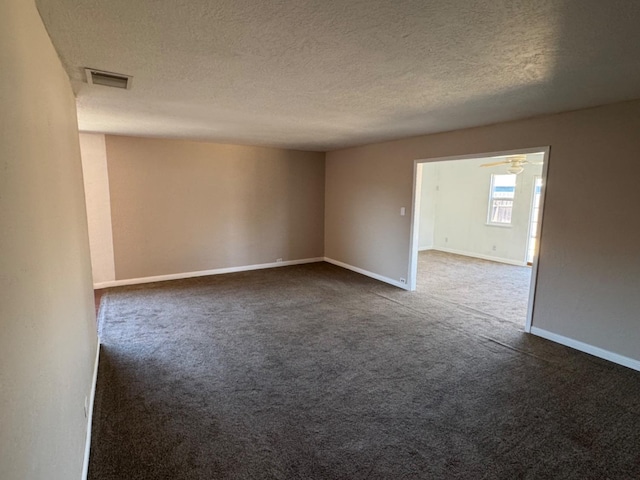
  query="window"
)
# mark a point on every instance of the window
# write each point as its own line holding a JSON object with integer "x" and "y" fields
{"x": 503, "y": 191}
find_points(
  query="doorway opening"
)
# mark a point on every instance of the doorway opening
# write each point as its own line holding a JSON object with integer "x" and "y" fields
{"x": 475, "y": 230}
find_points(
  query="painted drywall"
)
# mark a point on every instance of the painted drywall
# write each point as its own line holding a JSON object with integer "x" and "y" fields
{"x": 47, "y": 321}
{"x": 181, "y": 206}
{"x": 428, "y": 206}
{"x": 588, "y": 288}
{"x": 454, "y": 209}
{"x": 96, "y": 187}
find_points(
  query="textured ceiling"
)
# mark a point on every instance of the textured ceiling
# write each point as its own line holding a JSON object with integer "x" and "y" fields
{"x": 325, "y": 74}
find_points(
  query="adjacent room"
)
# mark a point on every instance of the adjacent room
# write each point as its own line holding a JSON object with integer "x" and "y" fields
{"x": 477, "y": 223}
{"x": 233, "y": 244}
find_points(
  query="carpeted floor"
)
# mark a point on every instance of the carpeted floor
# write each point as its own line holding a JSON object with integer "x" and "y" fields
{"x": 315, "y": 372}
{"x": 497, "y": 289}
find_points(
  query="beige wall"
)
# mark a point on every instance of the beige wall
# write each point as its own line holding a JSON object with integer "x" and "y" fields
{"x": 96, "y": 187}
{"x": 428, "y": 206}
{"x": 47, "y": 321}
{"x": 588, "y": 281}
{"x": 181, "y": 206}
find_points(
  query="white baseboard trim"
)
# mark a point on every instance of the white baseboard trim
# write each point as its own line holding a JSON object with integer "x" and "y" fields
{"x": 481, "y": 256}
{"x": 92, "y": 397}
{"x": 586, "y": 348}
{"x": 381, "y": 278}
{"x": 422, "y": 249}
{"x": 203, "y": 273}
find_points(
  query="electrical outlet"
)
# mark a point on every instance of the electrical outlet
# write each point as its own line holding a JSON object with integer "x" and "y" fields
{"x": 446, "y": 239}
{"x": 278, "y": 260}
{"x": 493, "y": 248}
{"x": 403, "y": 280}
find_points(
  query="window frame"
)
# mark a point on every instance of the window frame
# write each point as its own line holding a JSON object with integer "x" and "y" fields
{"x": 493, "y": 198}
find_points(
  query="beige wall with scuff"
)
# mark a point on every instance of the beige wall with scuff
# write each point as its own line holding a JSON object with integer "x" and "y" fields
{"x": 47, "y": 320}
{"x": 96, "y": 187}
{"x": 182, "y": 206}
{"x": 588, "y": 279}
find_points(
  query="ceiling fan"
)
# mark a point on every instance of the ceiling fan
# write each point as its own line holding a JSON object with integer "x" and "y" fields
{"x": 516, "y": 163}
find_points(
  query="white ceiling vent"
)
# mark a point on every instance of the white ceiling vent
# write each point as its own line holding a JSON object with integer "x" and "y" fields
{"x": 108, "y": 79}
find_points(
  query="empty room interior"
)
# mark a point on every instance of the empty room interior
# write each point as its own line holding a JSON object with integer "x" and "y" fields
{"x": 477, "y": 222}
{"x": 319, "y": 240}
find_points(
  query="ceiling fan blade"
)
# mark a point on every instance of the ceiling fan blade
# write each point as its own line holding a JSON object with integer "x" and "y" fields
{"x": 535, "y": 163}
{"x": 504, "y": 162}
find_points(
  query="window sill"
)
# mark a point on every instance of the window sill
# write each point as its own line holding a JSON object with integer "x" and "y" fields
{"x": 500, "y": 225}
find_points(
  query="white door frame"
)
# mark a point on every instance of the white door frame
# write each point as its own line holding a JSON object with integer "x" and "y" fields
{"x": 415, "y": 215}
{"x": 533, "y": 207}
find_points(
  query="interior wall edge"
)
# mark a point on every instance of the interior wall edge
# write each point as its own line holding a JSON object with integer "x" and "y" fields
{"x": 47, "y": 309}
{"x": 92, "y": 398}
{"x": 367, "y": 273}
{"x": 479, "y": 255}
{"x": 204, "y": 273}
{"x": 587, "y": 348}
{"x": 95, "y": 177}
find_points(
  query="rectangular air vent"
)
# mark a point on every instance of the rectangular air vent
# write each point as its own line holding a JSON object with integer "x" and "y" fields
{"x": 108, "y": 79}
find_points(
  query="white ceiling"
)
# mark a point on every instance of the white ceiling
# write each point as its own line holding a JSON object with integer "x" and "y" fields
{"x": 325, "y": 74}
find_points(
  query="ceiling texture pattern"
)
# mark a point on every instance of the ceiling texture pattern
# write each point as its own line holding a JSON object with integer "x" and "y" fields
{"x": 328, "y": 74}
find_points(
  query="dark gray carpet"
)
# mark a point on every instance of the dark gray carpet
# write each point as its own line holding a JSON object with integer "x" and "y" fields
{"x": 314, "y": 372}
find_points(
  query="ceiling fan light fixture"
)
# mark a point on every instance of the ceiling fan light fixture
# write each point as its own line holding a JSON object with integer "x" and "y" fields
{"x": 515, "y": 169}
